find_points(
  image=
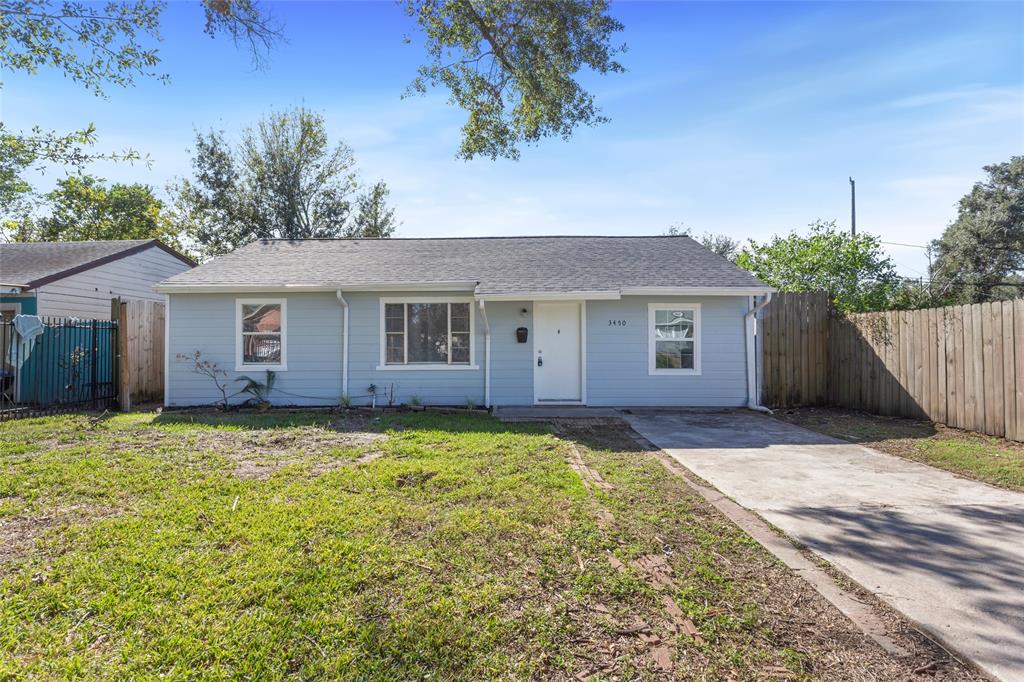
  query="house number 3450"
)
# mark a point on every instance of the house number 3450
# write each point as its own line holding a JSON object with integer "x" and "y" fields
{"x": 616, "y": 323}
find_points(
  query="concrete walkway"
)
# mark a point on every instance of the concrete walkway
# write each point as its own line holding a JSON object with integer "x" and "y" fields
{"x": 945, "y": 551}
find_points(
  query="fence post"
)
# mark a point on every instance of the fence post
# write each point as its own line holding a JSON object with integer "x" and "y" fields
{"x": 94, "y": 374}
{"x": 119, "y": 313}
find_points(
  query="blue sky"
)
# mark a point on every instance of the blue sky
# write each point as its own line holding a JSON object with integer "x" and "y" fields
{"x": 739, "y": 118}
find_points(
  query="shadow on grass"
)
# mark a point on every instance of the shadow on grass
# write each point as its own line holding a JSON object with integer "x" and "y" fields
{"x": 855, "y": 426}
{"x": 345, "y": 421}
{"x": 603, "y": 437}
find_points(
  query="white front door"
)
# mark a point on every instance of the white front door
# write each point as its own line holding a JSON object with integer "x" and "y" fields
{"x": 557, "y": 353}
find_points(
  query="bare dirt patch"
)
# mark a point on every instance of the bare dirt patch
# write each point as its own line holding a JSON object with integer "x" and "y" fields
{"x": 261, "y": 454}
{"x": 19, "y": 534}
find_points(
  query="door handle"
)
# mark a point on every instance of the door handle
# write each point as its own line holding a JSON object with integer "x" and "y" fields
{"x": 540, "y": 362}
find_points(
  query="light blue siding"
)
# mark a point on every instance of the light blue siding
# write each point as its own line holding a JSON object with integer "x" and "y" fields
{"x": 511, "y": 362}
{"x": 206, "y": 322}
{"x": 616, "y": 371}
{"x": 431, "y": 387}
{"x": 617, "y": 356}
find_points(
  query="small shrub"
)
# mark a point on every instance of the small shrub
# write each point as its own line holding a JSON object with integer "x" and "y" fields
{"x": 211, "y": 370}
{"x": 259, "y": 390}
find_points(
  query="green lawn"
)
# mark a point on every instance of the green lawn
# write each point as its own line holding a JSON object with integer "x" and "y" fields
{"x": 295, "y": 545}
{"x": 984, "y": 458}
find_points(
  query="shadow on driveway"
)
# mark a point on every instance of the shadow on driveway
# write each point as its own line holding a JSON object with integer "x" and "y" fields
{"x": 946, "y": 551}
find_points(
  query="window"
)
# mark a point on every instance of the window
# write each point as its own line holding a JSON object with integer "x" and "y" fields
{"x": 674, "y": 338}
{"x": 260, "y": 334}
{"x": 426, "y": 333}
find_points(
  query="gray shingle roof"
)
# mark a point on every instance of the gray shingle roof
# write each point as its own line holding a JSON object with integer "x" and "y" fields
{"x": 28, "y": 264}
{"x": 500, "y": 265}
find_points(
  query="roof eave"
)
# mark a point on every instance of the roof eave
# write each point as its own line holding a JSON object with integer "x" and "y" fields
{"x": 605, "y": 295}
{"x": 615, "y": 294}
{"x": 590, "y": 295}
{"x": 167, "y": 287}
{"x": 752, "y": 290}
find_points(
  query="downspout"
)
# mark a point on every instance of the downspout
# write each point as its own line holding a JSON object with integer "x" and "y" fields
{"x": 487, "y": 355}
{"x": 344, "y": 343}
{"x": 753, "y": 401}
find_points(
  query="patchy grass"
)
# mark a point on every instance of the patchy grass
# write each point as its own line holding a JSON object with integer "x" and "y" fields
{"x": 416, "y": 546}
{"x": 983, "y": 458}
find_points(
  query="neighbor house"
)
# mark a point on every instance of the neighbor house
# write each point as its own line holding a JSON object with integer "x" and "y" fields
{"x": 612, "y": 321}
{"x": 70, "y": 280}
{"x": 78, "y": 279}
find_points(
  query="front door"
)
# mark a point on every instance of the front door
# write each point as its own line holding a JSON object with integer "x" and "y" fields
{"x": 557, "y": 367}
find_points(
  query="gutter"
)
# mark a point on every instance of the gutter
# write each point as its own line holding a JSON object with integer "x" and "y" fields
{"x": 487, "y": 355}
{"x": 344, "y": 342}
{"x": 749, "y": 319}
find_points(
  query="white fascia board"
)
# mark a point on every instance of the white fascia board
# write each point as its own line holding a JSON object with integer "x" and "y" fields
{"x": 414, "y": 286}
{"x": 696, "y": 291}
{"x": 552, "y": 296}
{"x": 238, "y": 288}
{"x": 172, "y": 288}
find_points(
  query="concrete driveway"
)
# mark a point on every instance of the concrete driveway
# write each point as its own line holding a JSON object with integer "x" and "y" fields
{"x": 945, "y": 551}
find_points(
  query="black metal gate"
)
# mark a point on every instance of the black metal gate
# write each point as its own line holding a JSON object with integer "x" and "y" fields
{"x": 71, "y": 365}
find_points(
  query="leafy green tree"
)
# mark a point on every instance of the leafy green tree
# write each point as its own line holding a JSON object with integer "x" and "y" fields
{"x": 980, "y": 256}
{"x": 95, "y": 45}
{"x": 373, "y": 216}
{"x": 282, "y": 181}
{"x": 84, "y": 207}
{"x": 854, "y": 270}
{"x": 110, "y": 43}
{"x": 513, "y": 66}
{"x": 20, "y": 153}
{"x": 722, "y": 244}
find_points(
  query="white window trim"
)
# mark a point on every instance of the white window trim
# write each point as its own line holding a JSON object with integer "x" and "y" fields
{"x": 652, "y": 369}
{"x": 248, "y": 367}
{"x": 383, "y": 366}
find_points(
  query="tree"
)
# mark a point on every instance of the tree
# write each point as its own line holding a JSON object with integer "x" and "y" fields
{"x": 104, "y": 44}
{"x": 854, "y": 270}
{"x": 980, "y": 256}
{"x": 722, "y": 244}
{"x": 513, "y": 66}
{"x": 20, "y": 153}
{"x": 83, "y": 208}
{"x": 374, "y": 218}
{"x": 95, "y": 45}
{"x": 282, "y": 181}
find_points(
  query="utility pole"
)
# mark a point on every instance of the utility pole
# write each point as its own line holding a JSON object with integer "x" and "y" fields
{"x": 853, "y": 207}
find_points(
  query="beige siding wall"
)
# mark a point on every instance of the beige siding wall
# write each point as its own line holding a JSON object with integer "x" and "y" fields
{"x": 87, "y": 294}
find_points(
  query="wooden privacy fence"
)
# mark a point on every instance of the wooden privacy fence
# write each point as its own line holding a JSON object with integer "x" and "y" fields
{"x": 958, "y": 365}
{"x": 140, "y": 350}
{"x": 794, "y": 331}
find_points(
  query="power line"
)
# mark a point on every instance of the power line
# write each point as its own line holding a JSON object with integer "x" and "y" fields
{"x": 915, "y": 246}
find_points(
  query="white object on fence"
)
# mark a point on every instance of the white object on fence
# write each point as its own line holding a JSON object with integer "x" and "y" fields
{"x": 28, "y": 328}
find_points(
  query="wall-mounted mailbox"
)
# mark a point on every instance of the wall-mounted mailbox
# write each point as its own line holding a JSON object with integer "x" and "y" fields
{"x": 521, "y": 334}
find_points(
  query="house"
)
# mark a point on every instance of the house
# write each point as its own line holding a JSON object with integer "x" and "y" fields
{"x": 610, "y": 321}
{"x": 78, "y": 279}
{"x": 70, "y": 361}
